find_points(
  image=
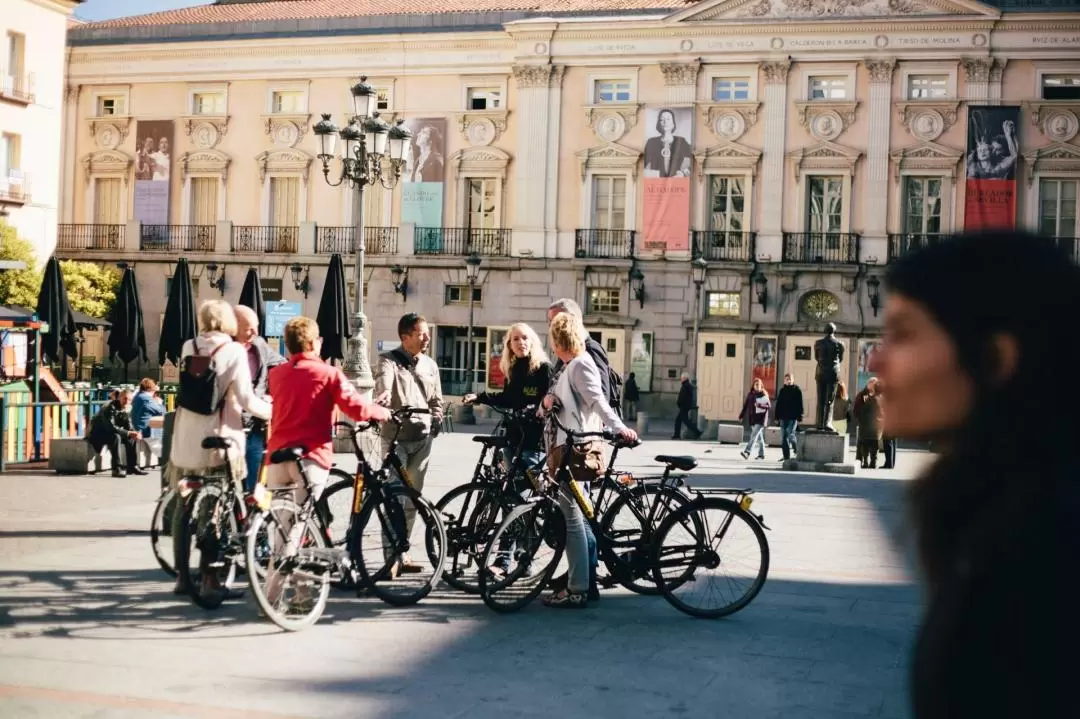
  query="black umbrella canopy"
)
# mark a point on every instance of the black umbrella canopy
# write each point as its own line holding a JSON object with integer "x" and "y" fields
{"x": 127, "y": 337}
{"x": 252, "y": 296}
{"x": 53, "y": 307}
{"x": 179, "y": 324}
{"x": 333, "y": 317}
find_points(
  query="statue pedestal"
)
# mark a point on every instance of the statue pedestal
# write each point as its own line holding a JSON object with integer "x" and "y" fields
{"x": 820, "y": 451}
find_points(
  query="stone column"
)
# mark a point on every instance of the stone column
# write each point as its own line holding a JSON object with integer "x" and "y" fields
{"x": 534, "y": 152}
{"x": 681, "y": 81}
{"x": 876, "y": 199}
{"x": 551, "y": 194}
{"x": 770, "y": 226}
{"x": 997, "y": 70}
{"x": 977, "y": 78}
{"x": 67, "y": 152}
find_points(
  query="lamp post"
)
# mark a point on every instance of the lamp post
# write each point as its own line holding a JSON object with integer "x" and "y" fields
{"x": 472, "y": 272}
{"x": 698, "y": 268}
{"x": 371, "y": 152}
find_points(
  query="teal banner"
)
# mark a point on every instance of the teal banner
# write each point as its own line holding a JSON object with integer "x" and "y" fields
{"x": 422, "y": 203}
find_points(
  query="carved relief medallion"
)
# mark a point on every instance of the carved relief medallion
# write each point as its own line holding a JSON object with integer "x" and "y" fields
{"x": 1060, "y": 125}
{"x": 729, "y": 126}
{"x": 108, "y": 136}
{"x": 927, "y": 125}
{"x": 611, "y": 127}
{"x": 205, "y": 135}
{"x": 480, "y": 131}
{"x": 826, "y": 126}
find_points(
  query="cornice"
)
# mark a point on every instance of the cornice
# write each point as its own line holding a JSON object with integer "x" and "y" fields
{"x": 926, "y": 155}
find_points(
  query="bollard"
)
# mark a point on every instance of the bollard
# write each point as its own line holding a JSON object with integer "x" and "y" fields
{"x": 642, "y": 423}
{"x": 3, "y": 433}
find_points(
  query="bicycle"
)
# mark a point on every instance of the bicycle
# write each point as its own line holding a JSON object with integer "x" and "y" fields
{"x": 161, "y": 539}
{"x": 293, "y": 587}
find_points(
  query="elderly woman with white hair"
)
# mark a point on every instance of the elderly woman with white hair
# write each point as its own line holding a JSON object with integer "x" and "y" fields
{"x": 228, "y": 359}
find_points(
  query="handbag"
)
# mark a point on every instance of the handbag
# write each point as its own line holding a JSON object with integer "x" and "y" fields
{"x": 585, "y": 464}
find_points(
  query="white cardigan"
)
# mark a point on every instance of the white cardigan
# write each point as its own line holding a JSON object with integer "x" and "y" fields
{"x": 584, "y": 407}
{"x": 187, "y": 457}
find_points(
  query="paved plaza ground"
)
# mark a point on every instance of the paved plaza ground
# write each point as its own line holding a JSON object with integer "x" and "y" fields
{"x": 89, "y": 627}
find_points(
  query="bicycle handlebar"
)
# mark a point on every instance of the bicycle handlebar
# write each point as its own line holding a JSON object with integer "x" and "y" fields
{"x": 606, "y": 435}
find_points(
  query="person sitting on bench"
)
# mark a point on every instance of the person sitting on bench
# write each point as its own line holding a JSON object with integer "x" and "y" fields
{"x": 111, "y": 427}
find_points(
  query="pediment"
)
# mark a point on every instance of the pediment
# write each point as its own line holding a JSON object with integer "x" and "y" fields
{"x": 824, "y": 10}
{"x": 204, "y": 162}
{"x": 824, "y": 156}
{"x": 108, "y": 162}
{"x": 926, "y": 156}
{"x": 727, "y": 156}
{"x": 1059, "y": 157}
{"x": 484, "y": 160}
{"x": 291, "y": 160}
{"x": 609, "y": 156}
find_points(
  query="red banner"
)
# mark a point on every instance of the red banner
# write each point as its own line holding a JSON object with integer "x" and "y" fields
{"x": 992, "y": 154}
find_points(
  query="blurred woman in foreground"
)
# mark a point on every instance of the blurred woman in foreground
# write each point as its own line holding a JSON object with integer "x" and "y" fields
{"x": 996, "y": 516}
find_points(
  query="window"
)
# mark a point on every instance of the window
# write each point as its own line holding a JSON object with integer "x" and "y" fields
{"x": 1061, "y": 87}
{"x": 727, "y": 89}
{"x": 110, "y": 105}
{"x": 825, "y": 204}
{"x": 204, "y": 200}
{"x": 382, "y": 99}
{"x": 722, "y": 304}
{"x": 107, "y": 194}
{"x": 728, "y": 198}
{"x": 611, "y": 91}
{"x": 208, "y": 103}
{"x": 10, "y": 155}
{"x": 284, "y": 201}
{"x": 350, "y": 294}
{"x": 483, "y": 98}
{"x": 287, "y": 101}
{"x": 828, "y": 88}
{"x": 928, "y": 87}
{"x": 603, "y": 299}
{"x": 1057, "y": 207}
{"x": 459, "y": 295}
{"x": 481, "y": 203}
{"x": 922, "y": 205}
{"x": 609, "y": 203}
{"x": 15, "y": 61}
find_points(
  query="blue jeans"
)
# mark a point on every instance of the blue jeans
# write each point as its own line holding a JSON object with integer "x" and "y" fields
{"x": 787, "y": 435}
{"x": 253, "y": 456}
{"x": 757, "y": 439}
{"x": 578, "y": 543}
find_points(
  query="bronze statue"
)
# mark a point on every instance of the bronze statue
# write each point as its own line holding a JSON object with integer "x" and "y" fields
{"x": 829, "y": 353}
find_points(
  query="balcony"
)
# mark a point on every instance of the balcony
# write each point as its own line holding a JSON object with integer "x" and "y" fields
{"x": 724, "y": 246}
{"x": 15, "y": 188}
{"x": 822, "y": 248}
{"x": 89, "y": 237}
{"x": 342, "y": 240}
{"x": 604, "y": 244}
{"x": 489, "y": 242}
{"x": 281, "y": 239}
{"x": 908, "y": 242}
{"x": 177, "y": 238}
{"x": 17, "y": 87}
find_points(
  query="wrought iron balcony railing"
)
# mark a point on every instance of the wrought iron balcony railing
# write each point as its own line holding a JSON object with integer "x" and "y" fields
{"x": 724, "y": 245}
{"x": 488, "y": 241}
{"x": 281, "y": 239}
{"x": 177, "y": 238}
{"x": 342, "y": 240}
{"x": 15, "y": 188}
{"x": 907, "y": 242}
{"x": 604, "y": 244}
{"x": 89, "y": 237}
{"x": 822, "y": 248}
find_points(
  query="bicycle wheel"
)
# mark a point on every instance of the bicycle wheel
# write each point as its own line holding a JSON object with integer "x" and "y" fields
{"x": 471, "y": 513}
{"x": 161, "y": 539}
{"x": 208, "y": 528}
{"x": 292, "y": 587}
{"x": 382, "y": 540}
{"x": 522, "y": 555}
{"x": 724, "y": 540}
{"x": 333, "y": 512}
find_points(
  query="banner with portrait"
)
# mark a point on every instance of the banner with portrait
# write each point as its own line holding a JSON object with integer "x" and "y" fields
{"x": 863, "y": 371}
{"x": 153, "y": 170}
{"x": 764, "y": 367}
{"x": 641, "y": 359}
{"x": 669, "y": 160}
{"x": 422, "y": 181}
{"x": 993, "y": 151}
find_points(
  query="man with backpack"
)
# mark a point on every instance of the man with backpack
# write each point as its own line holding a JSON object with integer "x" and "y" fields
{"x": 610, "y": 380}
{"x": 261, "y": 359}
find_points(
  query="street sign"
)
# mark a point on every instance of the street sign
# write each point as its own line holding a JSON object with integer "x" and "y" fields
{"x": 278, "y": 314}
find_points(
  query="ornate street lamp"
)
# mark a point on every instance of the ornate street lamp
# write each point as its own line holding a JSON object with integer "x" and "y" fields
{"x": 212, "y": 279}
{"x": 301, "y": 284}
{"x": 873, "y": 289}
{"x": 698, "y": 269}
{"x": 761, "y": 285}
{"x": 400, "y": 277}
{"x": 637, "y": 285}
{"x": 472, "y": 274}
{"x": 371, "y": 152}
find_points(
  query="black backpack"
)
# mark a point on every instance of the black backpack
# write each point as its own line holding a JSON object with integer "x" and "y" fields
{"x": 614, "y": 383}
{"x": 198, "y": 384}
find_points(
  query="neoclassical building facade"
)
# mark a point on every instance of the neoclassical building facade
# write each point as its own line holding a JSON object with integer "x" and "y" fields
{"x": 712, "y": 181}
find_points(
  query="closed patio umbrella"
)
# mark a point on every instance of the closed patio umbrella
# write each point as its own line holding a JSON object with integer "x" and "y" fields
{"x": 127, "y": 336}
{"x": 53, "y": 307}
{"x": 252, "y": 296}
{"x": 333, "y": 316}
{"x": 179, "y": 324}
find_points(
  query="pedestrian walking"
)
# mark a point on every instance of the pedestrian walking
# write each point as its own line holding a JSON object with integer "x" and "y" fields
{"x": 789, "y": 410}
{"x": 684, "y": 404}
{"x": 755, "y": 410}
{"x": 631, "y": 397}
{"x": 869, "y": 418}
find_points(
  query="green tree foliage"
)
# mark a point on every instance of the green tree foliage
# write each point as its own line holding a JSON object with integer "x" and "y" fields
{"x": 90, "y": 287}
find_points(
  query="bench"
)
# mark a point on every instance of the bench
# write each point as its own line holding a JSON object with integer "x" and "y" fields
{"x": 729, "y": 434}
{"x": 74, "y": 455}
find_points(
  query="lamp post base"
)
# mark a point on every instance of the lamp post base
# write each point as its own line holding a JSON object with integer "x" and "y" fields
{"x": 357, "y": 368}
{"x": 468, "y": 416}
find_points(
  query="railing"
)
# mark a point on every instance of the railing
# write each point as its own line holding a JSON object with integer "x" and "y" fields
{"x": 490, "y": 242}
{"x": 28, "y": 427}
{"x": 724, "y": 246}
{"x": 822, "y": 248}
{"x": 1069, "y": 245}
{"x": 89, "y": 237}
{"x": 342, "y": 240}
{"x": 265, "y": 238}
{"x": 908, "y": 242}
{"x": 15, "y": 188}
{"x": 614, "y": 244}
{"x": 178, "y": 238}
{"x": 18, "y": 87}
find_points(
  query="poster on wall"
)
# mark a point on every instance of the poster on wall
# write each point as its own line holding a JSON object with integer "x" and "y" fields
{"x": 863, "y": 373}
{"x": 993, "y": 151}
{"x": 641, "y": 359}
{"x": 669, "y": 159}
{"x": 765, "y": 363}
{"x": 497, "y": 342}
{"x": 153, "y": 167}
{"x": 422, "y": 182}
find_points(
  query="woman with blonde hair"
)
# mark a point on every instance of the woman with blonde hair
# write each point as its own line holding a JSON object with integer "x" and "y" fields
{"x": 756, "y": 409}
{"x": 841, "y": 409}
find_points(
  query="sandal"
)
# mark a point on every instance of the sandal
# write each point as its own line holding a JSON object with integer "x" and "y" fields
{"x": 567, "y": 600}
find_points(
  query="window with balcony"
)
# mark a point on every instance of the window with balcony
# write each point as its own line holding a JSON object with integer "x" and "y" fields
{"x": 285, "y": 201}
{"x": 606, "y": 91}
{"x": 730, "y": 89}
{"x": 483, "y": 209}
{"x": 110, "y": 105}
{"x": 208, "y": 103}
{"x": 459, "y": 294}
{"x": 928, "y": 87}
{"x": 10, "y": 155}
{"x": 828, "y": 88}
{"x": 727, "y": 200}
{"x": 1057, "y": 207}
{"x": 1061, "y": 87}
{"x": 922, "y": 205}
{"x": 609, "y": 202}
{"x": 825, "y": 204}
{"x": 722, "y": 304}
{"x": 288, "y": 102}
{"x": 483, "y": 98}
{"x": 603, "y": 299}
{"x": 204, "y": 200}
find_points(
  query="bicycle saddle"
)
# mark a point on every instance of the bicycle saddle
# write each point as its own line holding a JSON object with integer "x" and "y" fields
{"x": 491, "y": 440}
{"x": 682, "y": 463}
{"x": 287, "y": 454}
{"x": 215, "y": 443}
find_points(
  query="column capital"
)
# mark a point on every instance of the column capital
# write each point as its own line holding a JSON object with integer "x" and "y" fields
{"x": 977, "y": 69}
{"x": 678, "y": 73}
{"x": 776, "y": 72}
{"x": 880, "y": 69}
{"x": 528, "y": 76}
{"x": 71, "y": 92}
{"x": 556, "y": 78}
{"x": 997, "y": 68}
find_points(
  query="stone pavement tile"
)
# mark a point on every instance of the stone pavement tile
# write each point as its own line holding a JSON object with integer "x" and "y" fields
{"x": 852, "y": 674}
{"x": 897, "y": 706}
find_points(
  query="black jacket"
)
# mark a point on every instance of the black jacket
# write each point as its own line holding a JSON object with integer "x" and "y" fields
{"x": 789, "y": 403}
{"x": 523, "y": 388}
{"x": 110, "y": 420}
{"x": 599, "y": 355}
{"x": 631, "y": 393}
{"x": 686, "y": 396}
